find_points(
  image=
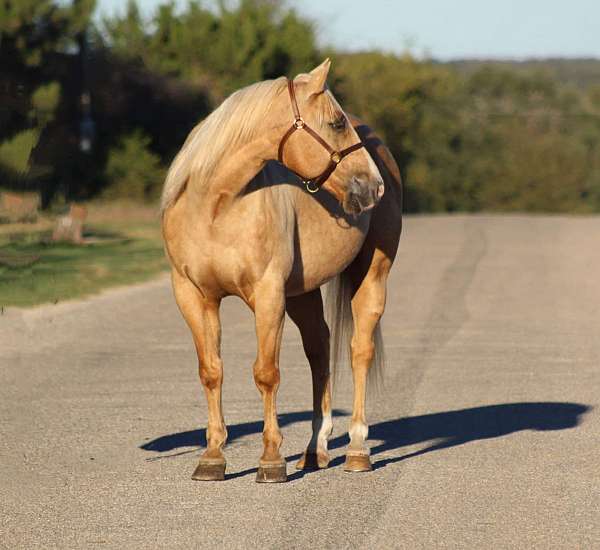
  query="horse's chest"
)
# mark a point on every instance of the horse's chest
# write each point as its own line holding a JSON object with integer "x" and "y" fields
{"x": 323, "y": 249}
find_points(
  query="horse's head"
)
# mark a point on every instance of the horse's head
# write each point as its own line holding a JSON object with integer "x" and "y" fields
{"x": 322, "y": 147}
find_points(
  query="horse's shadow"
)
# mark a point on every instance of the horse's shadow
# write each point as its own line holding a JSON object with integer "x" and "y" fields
{"x": 195, "y": 438}
{"x": 444, "y": 430}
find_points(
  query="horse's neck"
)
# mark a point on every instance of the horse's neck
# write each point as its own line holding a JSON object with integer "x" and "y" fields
{"x": 322, "y": 228}
{"x": 237, "y": 169}
{"x": 232, "y": 175}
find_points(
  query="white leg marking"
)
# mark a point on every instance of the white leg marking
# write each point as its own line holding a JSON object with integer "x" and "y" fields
{"x": 358, "y": 435}
{"x": 325, "y": 431}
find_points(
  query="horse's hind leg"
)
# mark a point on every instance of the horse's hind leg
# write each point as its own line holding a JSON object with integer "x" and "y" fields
{"x": 368, "y": 304}
{"x": 202, "y": 316}
{"x": 268, "y": 304}
{"x": 307, "y": 313}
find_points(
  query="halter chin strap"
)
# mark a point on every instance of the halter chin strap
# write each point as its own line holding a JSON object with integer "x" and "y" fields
{"x": 335, "y": 157}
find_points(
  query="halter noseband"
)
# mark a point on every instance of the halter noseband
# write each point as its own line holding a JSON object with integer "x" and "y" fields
{"x": 335, "y": 157}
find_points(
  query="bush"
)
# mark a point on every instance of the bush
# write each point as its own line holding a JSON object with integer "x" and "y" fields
{"x": 45, "y": 100}
{"x": 133, "y": 171}
{"x": 15, "y": 151}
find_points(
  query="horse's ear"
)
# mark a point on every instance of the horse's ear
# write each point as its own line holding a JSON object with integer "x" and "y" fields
{"x": 318, "y": 78}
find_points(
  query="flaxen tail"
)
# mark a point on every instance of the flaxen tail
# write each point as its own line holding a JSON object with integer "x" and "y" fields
{"x": 338, "y": 311}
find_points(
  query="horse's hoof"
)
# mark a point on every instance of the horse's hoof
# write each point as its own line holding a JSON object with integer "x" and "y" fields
{"x": 210, "y": 470}
{"x": 312, "y": 461}
{"x": 271, "y": 473}
{"x": 357, "y": 463}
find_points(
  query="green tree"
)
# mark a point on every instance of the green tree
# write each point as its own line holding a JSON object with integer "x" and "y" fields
{"x": 133, "y": 171}
{"x": 416, "y": 107}
{"x": 223, "y": 49}
{"x": 32, "y": 32}
{"x": 494, "y": 138}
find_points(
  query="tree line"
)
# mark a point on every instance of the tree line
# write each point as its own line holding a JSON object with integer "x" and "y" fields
{"x": 94, "y": 108}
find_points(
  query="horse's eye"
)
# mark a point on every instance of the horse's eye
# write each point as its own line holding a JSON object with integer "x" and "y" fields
{"x": 338, "y": 124}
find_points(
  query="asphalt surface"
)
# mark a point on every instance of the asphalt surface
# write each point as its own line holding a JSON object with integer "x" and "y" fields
{"x": 487, "y": 434}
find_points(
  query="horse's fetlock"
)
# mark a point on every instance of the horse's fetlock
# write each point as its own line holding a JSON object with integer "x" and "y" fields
{"x": 272, "y": 439}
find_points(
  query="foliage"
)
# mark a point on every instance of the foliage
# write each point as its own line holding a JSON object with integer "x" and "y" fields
{"x": 223, "y": 50}
{"x": 132, "y": 170}
{"x": 496, "y": 139}
{"x": 582, "y": 73}
{"x": 15, "y": 151}
{"x": 32, "y": 32}
{"x": 44, "y": 101}
{"x": 468, "y": 136}
{"x": 31, "y": 29}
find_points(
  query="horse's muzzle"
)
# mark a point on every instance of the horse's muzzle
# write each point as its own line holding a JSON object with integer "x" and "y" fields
{"x": 362, "y": 195}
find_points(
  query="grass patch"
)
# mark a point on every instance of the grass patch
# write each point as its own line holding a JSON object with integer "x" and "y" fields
{"x": 121, "y": 251}
{"x": 36, "y": 273}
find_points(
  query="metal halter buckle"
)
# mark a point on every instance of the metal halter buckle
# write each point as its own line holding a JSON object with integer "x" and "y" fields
{"x": 336, "y": 157}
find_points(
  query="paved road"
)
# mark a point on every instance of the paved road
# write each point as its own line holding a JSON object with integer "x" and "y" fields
{"x": 486, "y": 436}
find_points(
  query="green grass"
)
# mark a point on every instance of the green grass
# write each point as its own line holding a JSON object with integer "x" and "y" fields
{"x": 34, "y": 271}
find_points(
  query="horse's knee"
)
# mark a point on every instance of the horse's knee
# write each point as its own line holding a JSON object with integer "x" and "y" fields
{"x": 211, "y": 373}
{"x": 266, "y": 376}
{"x": 362, "y": 351}
{"x": 374, "y": 311}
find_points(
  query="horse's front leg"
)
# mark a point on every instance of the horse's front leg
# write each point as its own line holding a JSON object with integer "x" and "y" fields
{"x": 269, "y": 310}
{"x": 202, "y": 316}
{"x": 306, "y": 311}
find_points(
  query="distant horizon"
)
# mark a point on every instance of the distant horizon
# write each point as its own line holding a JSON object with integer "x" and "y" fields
{"x": 473, "y": 59}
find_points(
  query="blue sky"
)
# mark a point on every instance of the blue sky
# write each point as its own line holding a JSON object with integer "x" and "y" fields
{"x": 448, "y": 29}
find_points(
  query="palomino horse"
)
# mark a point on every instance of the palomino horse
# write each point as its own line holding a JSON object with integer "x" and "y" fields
{"x": 236, "y": 222}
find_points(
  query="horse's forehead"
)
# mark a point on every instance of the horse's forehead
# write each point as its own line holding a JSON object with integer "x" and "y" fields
{"x": 332, "y": 99}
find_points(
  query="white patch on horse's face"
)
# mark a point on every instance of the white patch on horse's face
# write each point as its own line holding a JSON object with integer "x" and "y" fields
{"x": 374, "y": 171}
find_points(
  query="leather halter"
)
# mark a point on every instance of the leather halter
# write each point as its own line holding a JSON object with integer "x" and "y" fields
{"x": 335, "y": 157}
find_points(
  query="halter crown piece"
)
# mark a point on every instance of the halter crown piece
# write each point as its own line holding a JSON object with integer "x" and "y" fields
{"x": 335, "y": 157}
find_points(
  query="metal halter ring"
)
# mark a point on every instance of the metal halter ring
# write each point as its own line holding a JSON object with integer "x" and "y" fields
{"x": 310, "y": 189}
{"x": 336, "y": 157}
{"x": 299, "y": 123}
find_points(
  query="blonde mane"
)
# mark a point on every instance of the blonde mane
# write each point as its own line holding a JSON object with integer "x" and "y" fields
{"x": 233, "y": 124}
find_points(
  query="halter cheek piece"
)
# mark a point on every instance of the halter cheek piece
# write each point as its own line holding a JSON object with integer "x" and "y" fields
{"x": 335, "y": 157}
